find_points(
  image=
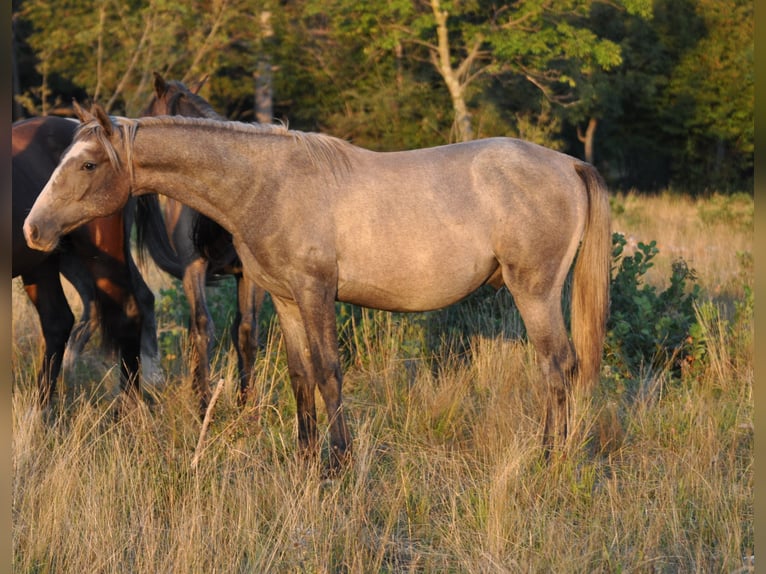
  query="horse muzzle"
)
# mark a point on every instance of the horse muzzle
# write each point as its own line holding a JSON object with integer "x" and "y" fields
{"x": 37, "y": 239}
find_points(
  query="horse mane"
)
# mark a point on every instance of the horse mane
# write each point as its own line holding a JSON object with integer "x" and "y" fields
{"x": 322, "y": 149}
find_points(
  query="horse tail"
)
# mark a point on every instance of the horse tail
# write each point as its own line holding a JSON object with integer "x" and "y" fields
{"x": 590, "y": 289}
{"x": 214, "y": 244}
{"x": 152, "y": 236}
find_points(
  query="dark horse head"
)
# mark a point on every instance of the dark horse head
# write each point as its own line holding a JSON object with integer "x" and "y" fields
{"x": 205, "y": 237}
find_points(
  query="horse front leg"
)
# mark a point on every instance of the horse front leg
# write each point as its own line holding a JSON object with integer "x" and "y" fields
{"x": 144, "y": 298}
{"x": 244, "y": 334}
{"x": 81, "y": 279}
{"x": 56, "y": 319}
{"x": 120, "y": 318}
{"x": 300, "y": 371}
{"x": 312, "y": 351}
{"x": 137, "y": 325}
{"x": 201, "y": 330}
{"x": 129, "y": 342}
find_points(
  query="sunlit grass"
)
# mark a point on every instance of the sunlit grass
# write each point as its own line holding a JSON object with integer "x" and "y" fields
{"x": 713, "y": 235}
{"x": 447, "y": 473}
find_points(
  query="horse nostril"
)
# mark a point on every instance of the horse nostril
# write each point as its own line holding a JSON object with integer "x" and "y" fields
{"x": 32, "y": 232}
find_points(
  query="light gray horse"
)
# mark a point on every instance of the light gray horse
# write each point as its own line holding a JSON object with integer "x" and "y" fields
{"x": 316, "y": 219}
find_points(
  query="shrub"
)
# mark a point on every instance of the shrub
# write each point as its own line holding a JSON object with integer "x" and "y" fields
{"x": 648, "y": 329}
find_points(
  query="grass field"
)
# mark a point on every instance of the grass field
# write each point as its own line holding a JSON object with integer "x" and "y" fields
{"x": 445, "y": 410}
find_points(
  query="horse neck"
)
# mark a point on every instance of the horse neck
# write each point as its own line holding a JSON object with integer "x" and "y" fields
{"x": 205, "y": 169}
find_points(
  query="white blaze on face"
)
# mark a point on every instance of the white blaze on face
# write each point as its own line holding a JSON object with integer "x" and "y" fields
{"x": 44, "y": 202}
{"x": 73, "y": 152}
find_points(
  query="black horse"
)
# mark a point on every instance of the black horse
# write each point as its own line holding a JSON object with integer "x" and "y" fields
{"x": 195, "y": 249}
{"x": 95, "y": 258}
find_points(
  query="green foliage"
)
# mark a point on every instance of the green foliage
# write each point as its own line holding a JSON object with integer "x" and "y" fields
{"x": 647, "y": 328}
{"x": 669, "y": 82}
{"x": 172, "y": 308}
{"x": 110, "y": 49}
{"x": 712, "y": 94}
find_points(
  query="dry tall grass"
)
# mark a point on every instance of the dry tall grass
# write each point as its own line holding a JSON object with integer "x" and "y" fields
{"x": 446, "y": 474}
{"x": 709, "y": 234}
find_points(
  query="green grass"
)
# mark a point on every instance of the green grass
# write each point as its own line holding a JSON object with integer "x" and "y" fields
{"x": 447, "y": 475}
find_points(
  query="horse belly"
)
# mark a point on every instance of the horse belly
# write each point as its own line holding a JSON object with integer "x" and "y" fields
{"x": 412, "y": 281}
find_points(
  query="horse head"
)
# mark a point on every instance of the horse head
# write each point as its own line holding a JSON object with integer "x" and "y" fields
{"x": 93, "y": 179}
{"x": 172, "y": 97}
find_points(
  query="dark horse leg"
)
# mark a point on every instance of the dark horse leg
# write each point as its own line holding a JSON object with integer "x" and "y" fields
{"x": 43, "y": 286}
{"x": 143, "y": 296}
{"x": 121, "y": 325}
{"x": 310, "y": 333}
{"x": 201, "y": 330}
{"x": 144, "y": 300}
{"x": 244, "y": 334}
{"x": 121, "y": 315}
{"x": 78, "y": 275}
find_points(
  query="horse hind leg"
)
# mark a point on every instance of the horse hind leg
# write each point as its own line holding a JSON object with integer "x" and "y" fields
{"x": 244, "y": 334}
{"x": 545, "y": 327}
{"x": 201, "y": 330}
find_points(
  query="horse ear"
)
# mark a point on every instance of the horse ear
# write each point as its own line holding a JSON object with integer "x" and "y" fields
{"x": 103, "y": 118}
{"x": 82, "y": 115}
{"x": 201, "y": 83}
{"x": 160, "y": 86}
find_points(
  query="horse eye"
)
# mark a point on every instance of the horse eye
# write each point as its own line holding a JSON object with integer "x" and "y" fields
{"x": 88, "y": 166}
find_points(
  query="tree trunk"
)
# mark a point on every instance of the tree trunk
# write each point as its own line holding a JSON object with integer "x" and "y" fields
{"x": 264, "y": 105}
{"x": 587, "y": 139}
{"x": 442, "y": 61}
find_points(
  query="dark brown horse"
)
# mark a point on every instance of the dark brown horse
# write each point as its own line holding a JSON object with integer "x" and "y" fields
{"x": 95, "y": 258}
{"x": 195, "y": 249}
{"x": 316, "y": 220}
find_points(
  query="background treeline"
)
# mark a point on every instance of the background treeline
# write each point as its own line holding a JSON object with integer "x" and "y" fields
{"x": 656, "y": 93}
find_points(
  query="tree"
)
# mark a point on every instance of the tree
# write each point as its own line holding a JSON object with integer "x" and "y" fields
{"x": 545, "y": 42}
{"x": 712, "y": 93}
{"x": 399, "y": 45}
{"x": 653, "y": 123}
{"x": 604, "y": 90}
{"x": 110, "y": 49}
{"x": 341, "y": 71}
{"x": 670, "y": 98}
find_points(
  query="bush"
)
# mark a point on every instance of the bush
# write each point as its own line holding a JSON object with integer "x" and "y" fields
{"x": 647, "y": 329}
